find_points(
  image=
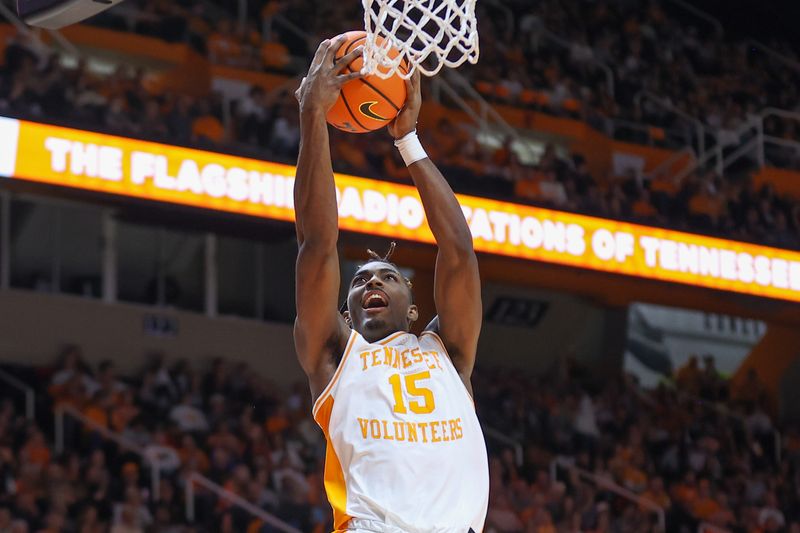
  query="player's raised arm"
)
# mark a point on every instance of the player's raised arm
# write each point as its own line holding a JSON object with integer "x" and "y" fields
{"x": 457, "y": 287}
{"x": 319, "y": 330}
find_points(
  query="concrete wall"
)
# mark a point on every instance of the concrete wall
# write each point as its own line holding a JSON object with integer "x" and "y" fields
{"x": 34, "y": 326}
{"x": 569, "y": 327}
{"x": 789, "y": 399}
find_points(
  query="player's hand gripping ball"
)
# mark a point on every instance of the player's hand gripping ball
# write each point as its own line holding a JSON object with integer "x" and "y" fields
{"x": 369, "y": 103}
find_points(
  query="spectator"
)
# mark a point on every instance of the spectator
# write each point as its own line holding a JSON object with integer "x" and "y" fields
{"x": 770, "y": 517}
{"x": 179, "y": 120}
{"x": 131, "y": 515}
{"x": 750, "y": 390}
{"x": 188, "y": 417}
{"x": 71, "y": 365}
{"x": 206, "y": 127}
{"x": 655, "y": 493}
{"x": 5, "y": 518}
{"x": 689, "y": 375}
{"x": 193, "y": 457}
{"x": 711, "y": 383}
{"x": 285, "y": 135}
{"x": 161, "y": 454}
{"x": 656, "y": 443}
{"x": 653, "y": 53}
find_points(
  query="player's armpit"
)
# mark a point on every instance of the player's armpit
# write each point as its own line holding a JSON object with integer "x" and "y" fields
{"x": 457, "y": 293}
{"x": 457, "y": 286}
{"x": 320, "y": 331}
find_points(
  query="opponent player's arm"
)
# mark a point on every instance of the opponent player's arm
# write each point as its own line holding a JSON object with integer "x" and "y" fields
{"x": 457, "y": 287}
{"x": 319, "y": 328}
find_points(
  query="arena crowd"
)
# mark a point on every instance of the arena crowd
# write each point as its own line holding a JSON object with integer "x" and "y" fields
{"x": 670, "y": 446}
{"x": 720, "y": 81}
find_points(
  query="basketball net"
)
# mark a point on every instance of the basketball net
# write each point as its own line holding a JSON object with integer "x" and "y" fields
{"x": 444, "y": 31}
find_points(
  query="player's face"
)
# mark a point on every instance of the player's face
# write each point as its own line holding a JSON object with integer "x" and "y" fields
{"x": 379, "y": 301}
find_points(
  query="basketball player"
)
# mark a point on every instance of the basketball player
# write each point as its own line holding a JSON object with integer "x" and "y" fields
{"x": 405, "y": 452}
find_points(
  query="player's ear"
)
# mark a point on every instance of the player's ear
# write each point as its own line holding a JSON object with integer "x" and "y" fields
{"x": 413, "y": 313}
{"x": 347, "y": 319}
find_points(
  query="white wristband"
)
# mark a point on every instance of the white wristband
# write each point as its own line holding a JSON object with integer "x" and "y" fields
{"x": 411, "y": 149}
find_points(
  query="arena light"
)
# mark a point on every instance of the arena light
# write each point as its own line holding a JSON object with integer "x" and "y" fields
{"x": 121, "y": 166}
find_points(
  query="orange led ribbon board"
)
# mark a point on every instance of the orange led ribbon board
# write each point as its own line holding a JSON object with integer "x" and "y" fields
{"x": 140, "y": 169}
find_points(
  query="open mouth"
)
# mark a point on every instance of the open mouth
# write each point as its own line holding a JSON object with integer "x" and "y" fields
{"x": 375, "y": 300}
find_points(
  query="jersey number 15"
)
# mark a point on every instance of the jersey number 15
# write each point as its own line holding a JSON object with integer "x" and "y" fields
{"x": 424, "y": 404}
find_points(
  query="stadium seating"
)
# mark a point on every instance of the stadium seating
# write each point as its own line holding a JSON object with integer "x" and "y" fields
{"x": 525, "y": 64}
{"x": 577, "y": 455}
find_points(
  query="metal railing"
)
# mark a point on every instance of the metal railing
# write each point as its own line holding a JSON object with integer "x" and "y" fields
{"x": 705, "y": 527}
{"x": 741, "y": 151}
{"x": 753, "y": 142}
{"x": 667, "y": 165}
{"x": 196, "y": 479}
{"x": 699, "y": 13}
{"x": 126, "y": 444}
{"x": 14, "y": 20}
{"x": 65, "y": 43}
{"x": 22, "y": 28}
{"x": 156, "y": 466}
{"x": 725, "y": 411}
{"x": 789, "y": 62}
{"x": 486, "y": 117}
{"x": 617, "y": 128}
{"x": 488, "y": 113}
{"x": 288, "y": 25}
{"x": 26, "y": 390}
{"x": 608, "y": 72}
{"x": 507, "y": 12}
{"x": 758, "y": 143}
{"x": 605, "y": 484}
{"x": 717, "y": 153}
{"x": 697, "y": 124}
{"x": 502, "y": 438}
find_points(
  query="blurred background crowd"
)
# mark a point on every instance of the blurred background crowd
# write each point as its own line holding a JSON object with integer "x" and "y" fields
{"x": 696, "y": 450}
{"x": 701, "y": 450}
{"x": 622, "y": 67}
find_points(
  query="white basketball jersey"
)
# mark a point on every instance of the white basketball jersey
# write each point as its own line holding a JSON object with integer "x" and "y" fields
{"x": 405, "y": 451}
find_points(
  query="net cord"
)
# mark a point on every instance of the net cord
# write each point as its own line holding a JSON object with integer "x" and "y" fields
{"x": 453, "y": 42}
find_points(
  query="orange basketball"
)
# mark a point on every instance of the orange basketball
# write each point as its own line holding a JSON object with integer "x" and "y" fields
{"x": 368, "y": 103}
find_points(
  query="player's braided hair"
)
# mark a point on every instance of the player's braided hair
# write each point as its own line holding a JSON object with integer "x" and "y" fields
{"x": 385, "y": 259}
{"x": 374, "y": 256}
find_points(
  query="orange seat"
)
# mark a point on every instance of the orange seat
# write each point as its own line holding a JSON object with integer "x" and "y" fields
{"x": 502, "y": 91}
{"x": 527, "y": 189}
{"x": 275, "y": 55}
{"x": 570, "y": 104}
{"x": 544, "y": 99}
{"x": 657, "y": 134}
{"x": 529, "y": 97}
{"x": 208, "y": 127}
{"x": 270, "y": 9}
{"x": 484, "y": 87}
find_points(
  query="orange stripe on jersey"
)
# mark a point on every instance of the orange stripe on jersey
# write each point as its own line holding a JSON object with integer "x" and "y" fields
{"x": 335, "y": 486}
{"x": 328, "y": 388}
